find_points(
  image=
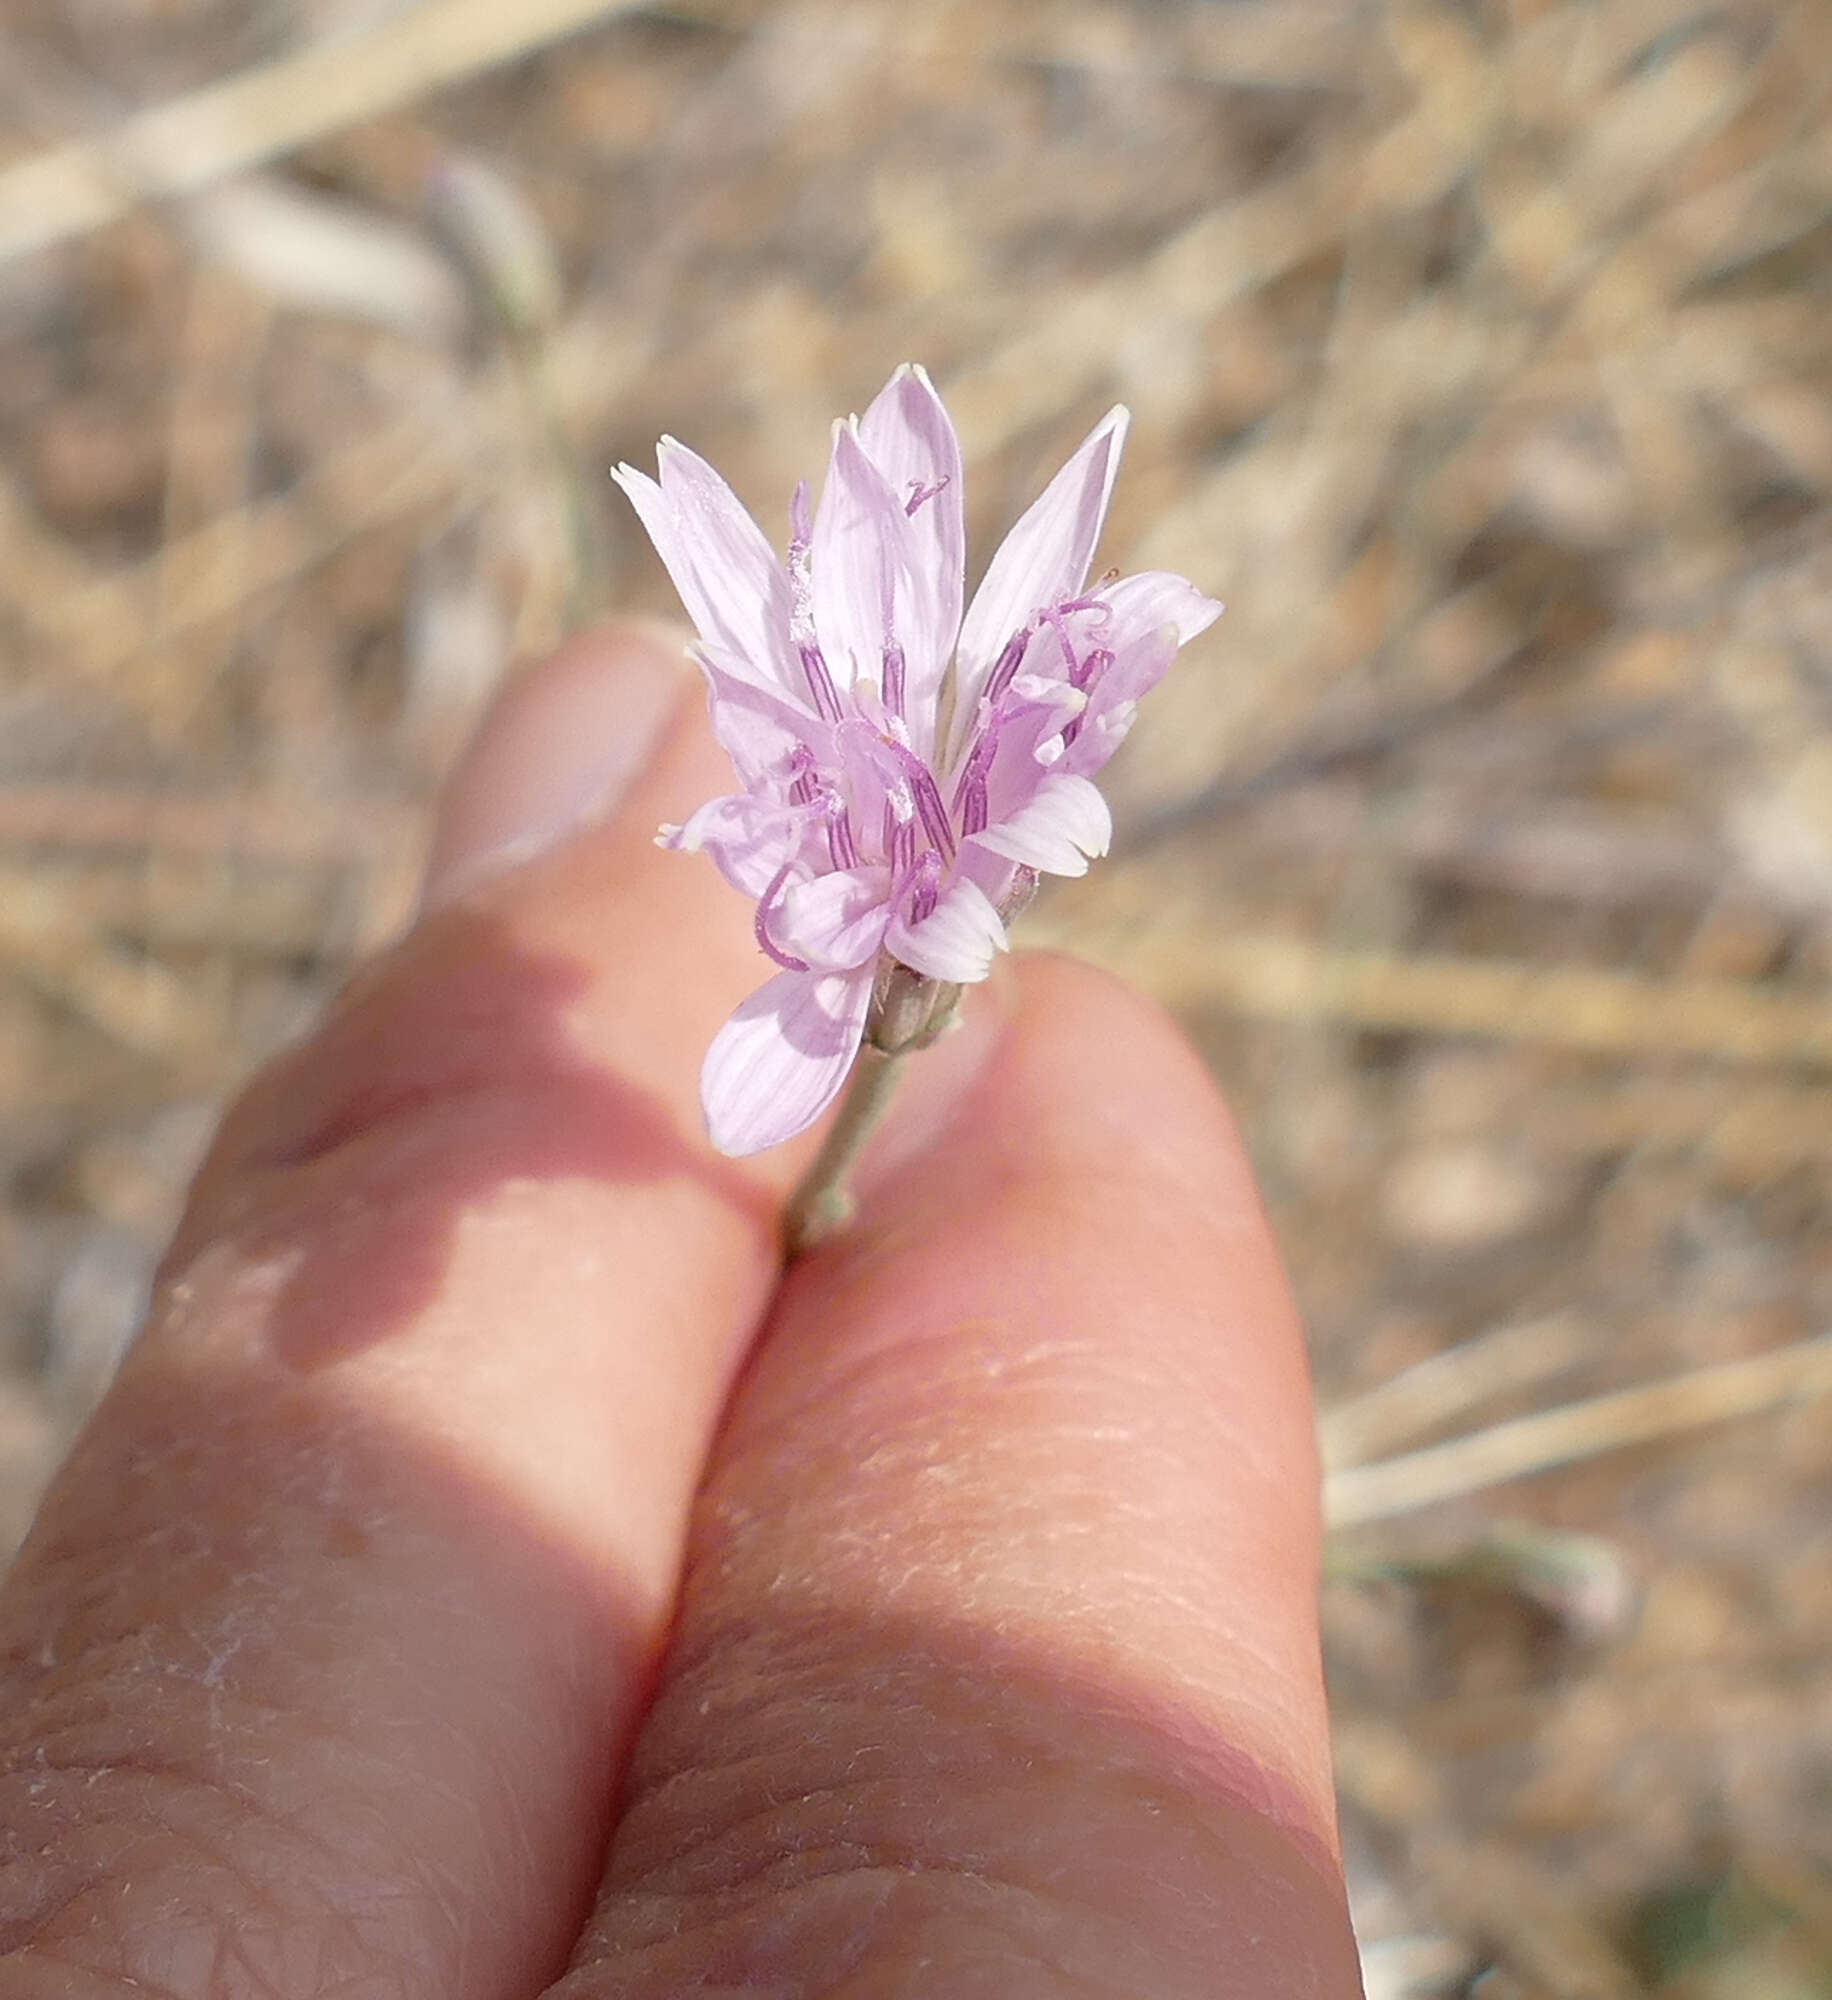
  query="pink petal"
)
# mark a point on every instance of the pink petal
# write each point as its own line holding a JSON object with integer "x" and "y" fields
{"x": 909, "y": 437}
{"x": 1155, "y": 597}
{"x": 1057, "y": 830}
{"x": 836, "y": 921}
{"x": 751, "y": 838}
{"x": 733, "y": 587}
{"x": 957, "y": 941}
{"x": 859, "y": 562}
{"x": 757, "y": 728}
{"x": 1136, "y": 670}
{"x": 779, "y": 1061}
{"x": 1045, "y": 558}
{"x": 1152, "y": 615}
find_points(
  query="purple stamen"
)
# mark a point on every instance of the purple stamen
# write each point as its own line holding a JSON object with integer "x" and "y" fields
{"x": 1057, "y": 618}
{"x": 820, "y": 682}
{"x": 1060, "y": 626}
{"x": 974, "y": 809}
{"x": 1009, "y": 662}
{"x": 905, "y": 775}
{"x": 760, "y": 925}
{"x": 1096, "y": 664}
{"x": 921, "y": 495}
{"x": 933, "y": 813}
{"x": 1097, "y": 608}
{"x": 804, "y": 776}
{"x": 801, "y": 609}
{"x": 920, "y": 884}
{"x": 970, "y": 805}
{"x": 840, "y": 843}
{"x": 893, "y": 678}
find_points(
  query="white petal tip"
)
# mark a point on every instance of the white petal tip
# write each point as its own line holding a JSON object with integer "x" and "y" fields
{"x": 735, "y": 1146}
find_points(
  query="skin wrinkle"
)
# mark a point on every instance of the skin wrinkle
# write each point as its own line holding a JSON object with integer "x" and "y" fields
{"x": 159, "y": 1806}
{"x": 256, "y": 1589}
{"x": 781, "y": 1698}
{"x": 267, "y": 1873}
{"x": 1057, "y": 1499}
{"x": 959, "y": 1341}
{"x": 785, "y": 1858}
{"x": 1093, "y": 1644}
{"x": 300, "y": 1974}
{"x": 150, "y": 1958}
{"x": 51, "y": 1978}
{"x": 338, "y": 1794}
{"x": 886, "y": 1909}
{"x": 294, "y": 1963}
{"x": 957, "y": 1352}
{"x": 858, "y": 1873}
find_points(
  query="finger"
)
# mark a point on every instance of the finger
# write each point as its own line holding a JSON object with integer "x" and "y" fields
{"x": 321, "y": 1656}
{"x": 996, "y": 1669}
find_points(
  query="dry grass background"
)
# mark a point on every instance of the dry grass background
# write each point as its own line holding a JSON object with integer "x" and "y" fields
{"x": 1479, "y": 356}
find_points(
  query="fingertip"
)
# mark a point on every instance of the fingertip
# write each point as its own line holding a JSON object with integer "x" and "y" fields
{"x": 563, "y": 740}
{"x": 1128, "y": 1077}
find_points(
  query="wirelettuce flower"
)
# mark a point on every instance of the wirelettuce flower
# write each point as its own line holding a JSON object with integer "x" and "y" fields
{"x": 906, "y": 772}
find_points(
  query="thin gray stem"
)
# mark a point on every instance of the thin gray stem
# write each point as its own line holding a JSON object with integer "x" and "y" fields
{"x": 908, "y": 1012}
{"x": 823, "y": 1203}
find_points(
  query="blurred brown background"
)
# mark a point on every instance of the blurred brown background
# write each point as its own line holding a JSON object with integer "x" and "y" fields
{"x": 1480, "y": 358}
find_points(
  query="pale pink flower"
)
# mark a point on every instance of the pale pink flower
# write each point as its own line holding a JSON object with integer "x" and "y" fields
{"x": 906, "y": 771}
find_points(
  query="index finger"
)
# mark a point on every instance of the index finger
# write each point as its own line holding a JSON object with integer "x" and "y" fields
{"x": 324, "y": 1649}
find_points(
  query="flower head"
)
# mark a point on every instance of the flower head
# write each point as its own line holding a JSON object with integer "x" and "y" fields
{"x": 906, "y": 771}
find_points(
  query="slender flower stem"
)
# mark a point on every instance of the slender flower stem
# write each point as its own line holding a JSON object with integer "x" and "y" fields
{"x": 908, "y": 1013}
{"x": 823, "y": 1203}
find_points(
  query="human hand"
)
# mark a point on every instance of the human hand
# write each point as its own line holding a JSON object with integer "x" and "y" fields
{"x": 491, "y": 1568}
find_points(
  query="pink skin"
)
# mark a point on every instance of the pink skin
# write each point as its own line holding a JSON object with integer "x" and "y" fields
{"x": 902, "y": 763}
{"x": 490, "y": 1570}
